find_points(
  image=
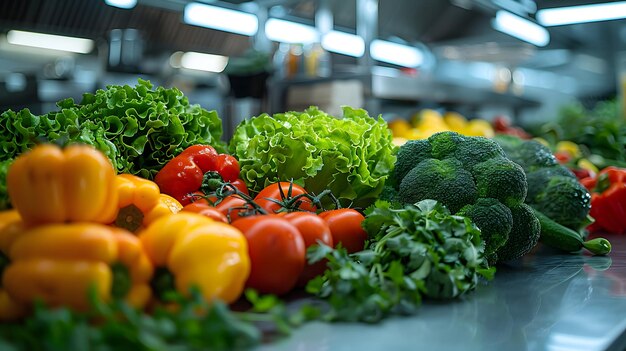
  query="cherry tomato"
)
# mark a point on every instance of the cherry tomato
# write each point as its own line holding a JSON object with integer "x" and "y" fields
{"x": 205, "y": 210}
{"x": 345, "y": 226}
{"x": 312, "y": 228}
{"x": 277, "y": 253}
{"x": 227, "y": 166}
{"x": 232, "y": 206}
{"x": 273, "y": 191}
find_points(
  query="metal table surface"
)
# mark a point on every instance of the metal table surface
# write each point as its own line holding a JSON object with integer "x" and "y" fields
{"x": 544, "y": 301}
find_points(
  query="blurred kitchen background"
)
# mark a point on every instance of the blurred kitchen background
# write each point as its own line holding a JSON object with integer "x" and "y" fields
{"x": 482, "y": 58}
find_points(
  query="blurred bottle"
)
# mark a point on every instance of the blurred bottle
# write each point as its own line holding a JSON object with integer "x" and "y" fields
{"x": 295, "y": 60}
{"x": 317, "y": 61}
{"x": 279, "y": 60}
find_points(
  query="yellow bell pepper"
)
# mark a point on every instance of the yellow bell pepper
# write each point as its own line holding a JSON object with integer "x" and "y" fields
{"x": 60, "y": 263}
{"x": 399, "y": 127}
{"x": 570, "y": 147}
{"x": 479, "y": 127}
{"x": 191, "y": 250}
{"x": 52, "y": 185}
{"x": 141, "y": 202}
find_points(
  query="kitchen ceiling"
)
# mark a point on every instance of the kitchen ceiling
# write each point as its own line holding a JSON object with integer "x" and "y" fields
{"x": 440, "y": 24}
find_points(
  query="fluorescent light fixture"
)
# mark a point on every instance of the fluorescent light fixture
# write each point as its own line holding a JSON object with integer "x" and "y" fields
{"x": 397, "y": 54}
{"x": 123, "y": 4}
{"x": 582, "y": 14}
{"x": 290, "y": 32}
{"x": 520, "y": 28}
{"x": 49, "y": 41}
{"x": 198, "y": 61}
{"x": 344, "y": 43}
{"x": 220, "y": 18}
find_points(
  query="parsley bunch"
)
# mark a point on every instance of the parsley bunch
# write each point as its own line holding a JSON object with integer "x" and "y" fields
{"x": 189, "y": 324}
{"x": 414, "y": 251}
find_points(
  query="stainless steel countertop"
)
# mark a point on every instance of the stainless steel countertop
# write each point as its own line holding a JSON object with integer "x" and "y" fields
{"x": 544, "y": 301}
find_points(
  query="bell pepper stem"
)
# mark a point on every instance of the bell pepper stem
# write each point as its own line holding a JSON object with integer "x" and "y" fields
{"x": 162, "y": 282}
{"x": 121, "y": 280}
{"x": 4, "y": 263}
{"x": 129, "y": 218}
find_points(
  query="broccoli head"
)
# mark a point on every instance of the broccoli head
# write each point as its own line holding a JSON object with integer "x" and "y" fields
{"x": 443, "y": 180}
{"x": 495, "y": 221}
{"x": 469, "y": 175}
{"x": 565, "y": 201}
{"x": 552, "y": 188}
{"x": 523, "y": 236}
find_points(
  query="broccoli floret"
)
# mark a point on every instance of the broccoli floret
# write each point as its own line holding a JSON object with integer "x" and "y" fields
{"x": 443, "y": 180}
{"x": 538, "y": 180}
{"x": 495, "y": 221}
{"x": 410, "y": 154}
{"x": 502, "y": 179}
{"x": 445, "y": 144}
{"x": 532, "y": 155}
{"x": 476, "y": 150}
{"x": 523, "y": 236}
{"x": 389, "y": 194}
{"x": 565, "y": 201}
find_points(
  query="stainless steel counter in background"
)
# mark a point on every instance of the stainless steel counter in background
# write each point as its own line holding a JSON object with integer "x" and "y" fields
{"x": 545, "y": 301}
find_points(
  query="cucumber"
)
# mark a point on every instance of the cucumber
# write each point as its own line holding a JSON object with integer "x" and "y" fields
{"x": 560, "y": 237}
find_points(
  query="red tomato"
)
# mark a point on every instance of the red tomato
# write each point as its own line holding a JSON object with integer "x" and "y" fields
{"x": 277, "y": 253}
{"x": 312, "y": 228}
{"x": 345, "y": 226}
{"x": 232, "y": 206}
{"x": 227, "y": 166}
{"x": 206, "y": 210}
{"x": 273, "y": 191}
{"x": 240, "y": 185}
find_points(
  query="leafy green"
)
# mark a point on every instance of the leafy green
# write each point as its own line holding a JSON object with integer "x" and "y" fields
{"x": 4, "y": 192}
{"x": 352, "y": 156}
{"x": 414, "y": 251}
{"x": 601, "y": 131}
{"x": 138, "y": 128}
{"x": 193, "y": 325}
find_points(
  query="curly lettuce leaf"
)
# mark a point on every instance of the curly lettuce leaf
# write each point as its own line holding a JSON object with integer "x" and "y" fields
{"x": 352, "y": 156}
{"x": 4, "y": 192}
{"x": 139, "y": 128}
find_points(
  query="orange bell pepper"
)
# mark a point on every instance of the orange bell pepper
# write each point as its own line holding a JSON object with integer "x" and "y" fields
{"x": 52, "y": 185}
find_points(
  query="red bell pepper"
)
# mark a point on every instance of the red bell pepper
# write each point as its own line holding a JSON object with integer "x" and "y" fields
{"x": 608, "y": 200}
{"x": 199, "y": 167}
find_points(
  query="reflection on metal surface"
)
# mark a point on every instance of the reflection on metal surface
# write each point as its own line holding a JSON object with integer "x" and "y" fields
{"x": 545, "y": 301}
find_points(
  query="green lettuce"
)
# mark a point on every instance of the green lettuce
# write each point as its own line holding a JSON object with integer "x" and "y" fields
{"x": 4, "y": 192}
{"x": 352, "y": 156}
{"x": 139, "y": 128}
